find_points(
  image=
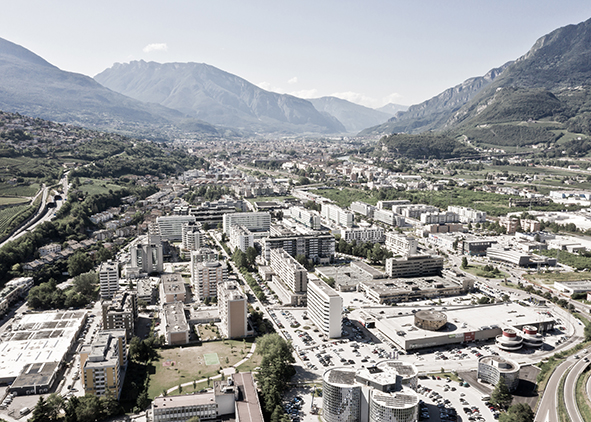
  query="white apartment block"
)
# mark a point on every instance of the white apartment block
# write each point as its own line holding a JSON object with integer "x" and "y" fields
{"x": 260, "y": 221}
{"x": 363, "y": 234}
{"x": 291, "y": 272}
{"x": 337, "y": 215}
{"x": 414, "y": 210}
{"x": 146, "y": 255}
{"x": 362, "y": 208}
{"x": 387, "y": 205}
{"x": 191, "y": 234}
{"x": 468, "y": 215}
{"x": 171, "y": 226}
{"x": 108, "y": 279}
{"x": 439, "y": 217}
{"x": 401, "y": 244}
{"x": 414, "y": 266}
{"x": 206, "y": 276}
{"x": 308, "y": 218}
{"x": 202, "y": 255}
{"x": 388, "y": 217}
{"x": 241, "y": 238}
{"x": 232, "y": 307}
{"x": 325, "y": 308}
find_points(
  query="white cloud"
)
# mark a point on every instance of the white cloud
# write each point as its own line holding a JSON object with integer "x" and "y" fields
{"x": 305, "y": 93}
{"x": 155, "y": 47}
{"x": 293, "y": 80}
{"x": 365, "y": 100}
{"x": 267, "y": 86}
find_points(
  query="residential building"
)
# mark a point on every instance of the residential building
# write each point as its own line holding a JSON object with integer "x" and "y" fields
{"x": 191, "y": 234}
{"x": 171, "y": 226}
{"x": 325, "y": 308}
{"x": 121, "y": 313}
{"x": 206, "y": 276}
{"x": 439, "y": 217}
{"x": 202, "y": 255}
{"x": 13, "y": 290}
{"x": 102, "y": 363}
{"x": 387, "y": 205}
{"x": 316, "y": 246}
{"x": 371, "y": 234}
{"x": 259, "y": 221}
{"x": 388, "y": 217}
{"x": 291, "y": 272}
{"x": 232, "y": 306}
{"x": 362, "y": 208}
{"x": 240, "y": 237}
{"x": 468, "y": 215}
{"x": 401, "y": 244}
{"x": 108, "y": 279}
{"x": 308, "y": 218}
{"x": 176, "y": 327}
{"x": 49, "y": 249}
{"x": 337, "y": 215}
{"x": 414, "y": 266}
{"x": 172, "y": 288}
{"x": 146, "y": 255}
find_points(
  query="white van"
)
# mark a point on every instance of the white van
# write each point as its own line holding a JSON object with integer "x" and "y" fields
{"x": 24, "y": 411}
{"x": 485, "y": 397}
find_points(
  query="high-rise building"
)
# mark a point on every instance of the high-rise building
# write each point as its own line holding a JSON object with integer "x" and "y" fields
{"x": 146, "y": 255}
{"x": 102, "y": 363}
{"x": 401, "y": 244}
{"x": 232, "y": 308}
{"x": 363, "y": 234}
{"x": 362, "y": 208}
{"x": 176, "y": 327}
{"x": 414, "y": 266}
{"x": 191, "y": 234}
{"x": 108, "y": 279}
{"x": 260, "y": 221}
{"x": 206, "y": 276}
{"x": 337, "y": 215}
{"x": 172, "y": 288}
{"x": 240, "y": 237}
{"x": 308, "y": 218}
{"x": 468, "y": 215}
{"x": 291, "y": 272}
{"x": 202, "y": 255}
{"x": 120, "y": 313}
{"x": 317, "y": 246}
{"x": 171, "y": 226}
{"x": 325, "y": 308}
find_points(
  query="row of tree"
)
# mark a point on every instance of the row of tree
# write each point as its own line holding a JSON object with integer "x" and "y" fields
{"x": 372, "y": 251}
{"x": 89, "y": 408}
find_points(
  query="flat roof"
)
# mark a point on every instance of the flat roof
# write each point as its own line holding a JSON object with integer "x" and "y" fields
{"x": 36, "y": 374}
{"x": 499, "y": 362}
{"x": 186, "y": 400}
{"x": 374, "y": 272}
{"x": 175, "y": 317}
{"x": 321, "y": 285}
{"x": 464, "y": 319}
{"x": 341, "y": 376}
{"x": 36, "y": 338}
{"x": 249, "y": 408}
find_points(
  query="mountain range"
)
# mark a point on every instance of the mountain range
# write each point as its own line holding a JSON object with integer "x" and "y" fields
{"x": 551, "y": 81}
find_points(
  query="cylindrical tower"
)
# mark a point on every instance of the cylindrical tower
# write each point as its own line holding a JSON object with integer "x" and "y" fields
{"x": 341, "y": 396}
{"x": 509, "y": 340}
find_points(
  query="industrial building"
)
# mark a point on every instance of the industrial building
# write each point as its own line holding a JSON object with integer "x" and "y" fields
{"x": 384, "y": 392}
{"x": 36, "y": 348}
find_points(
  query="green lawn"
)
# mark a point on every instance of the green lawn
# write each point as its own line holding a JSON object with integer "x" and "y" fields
{"x": 95, "y": 186}
{"x": 185, "y": 364}
{"x": 478, "y": 271}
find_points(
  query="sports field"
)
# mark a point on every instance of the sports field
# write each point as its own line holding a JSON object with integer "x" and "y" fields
{"x": 211, "y": 359}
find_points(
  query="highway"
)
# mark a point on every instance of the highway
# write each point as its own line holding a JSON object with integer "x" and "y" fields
{"x": 570, "y": 385}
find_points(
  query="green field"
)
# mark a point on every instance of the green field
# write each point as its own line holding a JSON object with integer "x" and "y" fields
{"x": 185, "y": 364}
{"x": 211, "y": 359}
{"x": 9, "y": 215}
{"x": 12, "y": 200}
{"x": 19, "y": 190}
{"x": 96, "y": 186}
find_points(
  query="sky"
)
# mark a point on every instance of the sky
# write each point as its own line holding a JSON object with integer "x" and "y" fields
{"x": 370, "y": 52}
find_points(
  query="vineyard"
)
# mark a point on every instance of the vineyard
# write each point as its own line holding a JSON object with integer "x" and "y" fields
{"x": 11, "y": 217}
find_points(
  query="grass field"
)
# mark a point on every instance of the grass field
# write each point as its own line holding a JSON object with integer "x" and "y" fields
{"x": 9, "y": 215}
{"x": 95, "y": 186}
{"x": 211, "y": 359}
{"x": 551, "y": 278}
{"x": 185, "y": 364}
{"x": 19, "y": 190}
{"x": 6, "y": 200}
{"x": 478, "y": 271}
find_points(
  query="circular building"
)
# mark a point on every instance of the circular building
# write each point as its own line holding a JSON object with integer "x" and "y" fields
{"x": 491, "y": 369}
{"x": 509, "y": 340}
{"x": 400, "y": 406}
{"x": 341, "y": 396}
{"x": 531, "y": 337}
{"x": 430, "y": 320}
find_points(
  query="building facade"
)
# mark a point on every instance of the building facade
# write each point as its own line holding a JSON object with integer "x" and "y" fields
{"x": 317, "y": 246}
{"x": 401, "y": 244}
{"x": 108, "y": 273}
{"x": 414, "y": 266}
{"x": 260, "y": 221}
{"x": 232, "y": 305}
{"x": 171, "y": 226}
{"x": 146, "y": 255}
{"x": 337, "y": 215}
{"x": 206, "y": 276}
{"x": 291, "y": 272}
{"x": 191, "y": 234}
{"x": 325, "y": 308}
{"x": 363, "y": 234}
{"x": 308, "y": 218}
{"x": 492, "y": 369}
{"x": 121, "y": 313}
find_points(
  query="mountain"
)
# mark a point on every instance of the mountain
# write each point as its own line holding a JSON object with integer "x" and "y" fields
{"x": 392, "y": 108}
{"x": 551, "y": 81}
{"x": 433, "y": 113}
{"x": 353, "y": 116}
{"x": 205, "y": 92}
{"x": 30, "y": 85}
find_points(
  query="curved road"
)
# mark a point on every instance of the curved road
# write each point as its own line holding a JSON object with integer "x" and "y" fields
{"x": 570, "y": 386}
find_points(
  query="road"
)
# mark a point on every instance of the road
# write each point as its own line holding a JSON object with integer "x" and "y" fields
{"x": 570, "y": 385}
{"x": 548, "y": 407}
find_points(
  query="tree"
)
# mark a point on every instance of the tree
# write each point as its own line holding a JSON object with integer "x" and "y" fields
{"x": 88, "y": 409}
{"x": 501, "y": 396}
{"x": 86, "y": 284}
{"x": 251, "y": 255}
{"x": 79, "y": 263}
{"x": 520, "y": 412}
{"x": 41, "y": 411}
{"x": 109, "y": 404}
{"x": 464, "y": 263}
{"x": 276, "y": 369}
